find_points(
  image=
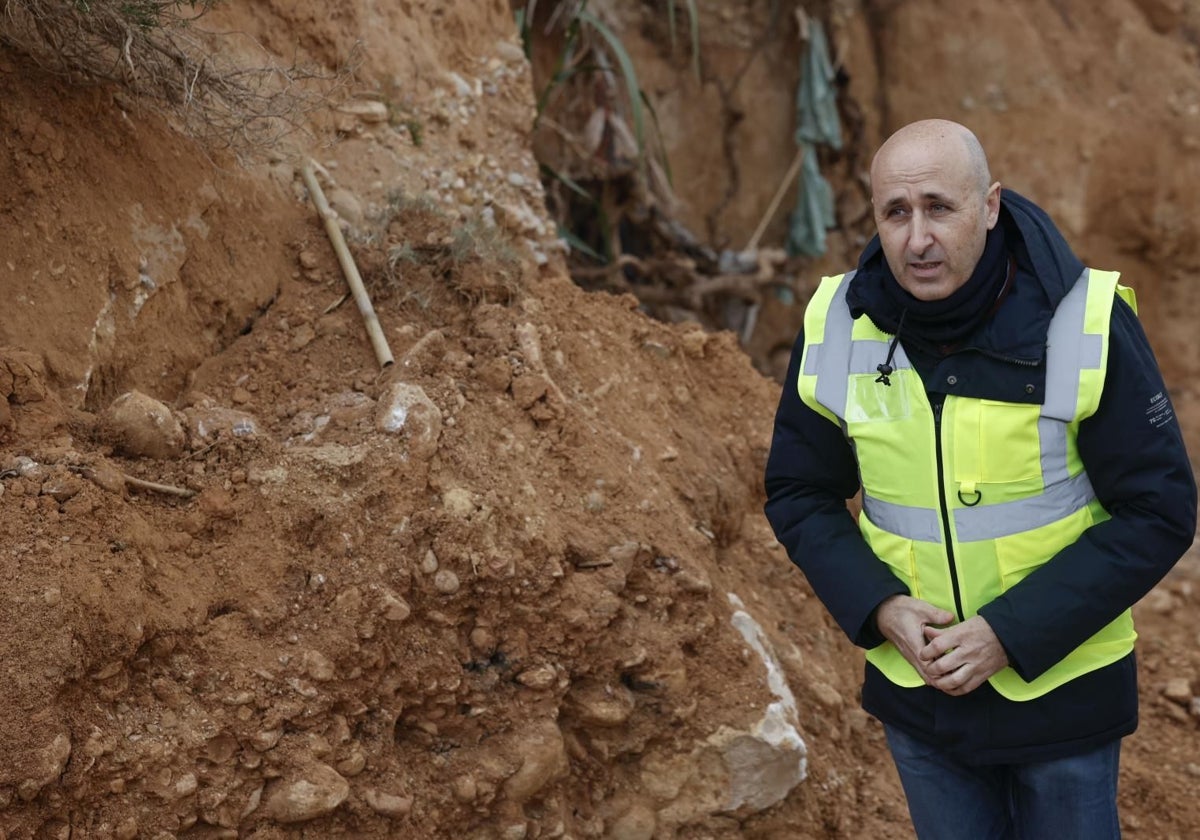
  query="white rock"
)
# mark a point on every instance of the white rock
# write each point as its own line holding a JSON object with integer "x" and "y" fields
{"x": 206, "y": 423}
{"x": 367, "y": 110}
{"x": 311, "y": 792}
{"x": 405, "y": 408}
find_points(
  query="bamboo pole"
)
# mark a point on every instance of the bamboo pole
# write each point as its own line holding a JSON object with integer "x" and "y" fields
{"x": 374, "y": 331}
{"x": 793, "y": 170}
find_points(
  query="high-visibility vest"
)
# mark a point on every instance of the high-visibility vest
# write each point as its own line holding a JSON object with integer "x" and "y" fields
{"x": 1001, "y": 483}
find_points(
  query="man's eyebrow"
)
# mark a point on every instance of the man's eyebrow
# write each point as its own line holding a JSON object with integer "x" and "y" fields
{"x": 937, "y": 196}
{"x": 933, "y": 196}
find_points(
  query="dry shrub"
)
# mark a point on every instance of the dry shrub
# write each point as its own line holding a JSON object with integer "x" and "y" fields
{"x": 414, "y": 249}
{"x": 156, "y": 50}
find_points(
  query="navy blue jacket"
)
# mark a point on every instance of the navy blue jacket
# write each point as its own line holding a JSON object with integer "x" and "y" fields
{"x": 1134, "y": 454}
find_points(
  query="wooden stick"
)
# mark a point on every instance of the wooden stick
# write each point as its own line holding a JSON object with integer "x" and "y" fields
{"x": 170, "y": 490}
{"x": 774, "y": 205}
{"x": 383, "y": 353}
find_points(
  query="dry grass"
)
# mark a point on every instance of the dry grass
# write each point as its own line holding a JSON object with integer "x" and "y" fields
{"x": 155, "y": 50}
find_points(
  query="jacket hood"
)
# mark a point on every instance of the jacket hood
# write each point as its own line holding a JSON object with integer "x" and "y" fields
{"x": 1049, "y": 258}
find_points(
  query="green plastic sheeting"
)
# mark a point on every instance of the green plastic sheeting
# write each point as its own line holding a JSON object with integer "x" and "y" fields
{"x": 816, "y": 124}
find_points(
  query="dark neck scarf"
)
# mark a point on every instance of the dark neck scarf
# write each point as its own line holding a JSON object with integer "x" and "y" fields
{"x": 939, "y": 322}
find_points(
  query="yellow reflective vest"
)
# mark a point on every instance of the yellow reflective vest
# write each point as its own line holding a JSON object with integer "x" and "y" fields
{"x": 1001, "y": 484}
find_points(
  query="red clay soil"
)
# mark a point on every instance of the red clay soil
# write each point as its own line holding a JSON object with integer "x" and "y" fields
{"x": 517, "y": 584}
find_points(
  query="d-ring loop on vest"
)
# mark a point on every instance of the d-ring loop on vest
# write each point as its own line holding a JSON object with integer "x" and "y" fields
{"x": 973, "y": 502}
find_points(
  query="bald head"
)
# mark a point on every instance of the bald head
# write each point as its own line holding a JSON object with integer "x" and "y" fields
{"x": 933, "y": 205}
{"x": 953, "y": 142}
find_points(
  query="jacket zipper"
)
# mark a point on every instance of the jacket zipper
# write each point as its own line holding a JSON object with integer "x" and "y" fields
{"x": 1000, "y": 357}
{"x": 937, "y": 436}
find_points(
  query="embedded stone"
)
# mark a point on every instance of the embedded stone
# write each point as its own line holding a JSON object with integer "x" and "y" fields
{"x": 142, "y": 427}
{"x": 311, "y": 792}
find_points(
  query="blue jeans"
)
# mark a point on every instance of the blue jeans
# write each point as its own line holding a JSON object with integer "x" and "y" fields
{"x": 1073, "y": 798}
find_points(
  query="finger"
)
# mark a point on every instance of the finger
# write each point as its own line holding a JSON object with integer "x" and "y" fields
{"x": 938, "y": 646}
{"x": 952, "y": 682}
{"x": 945, "y": 664}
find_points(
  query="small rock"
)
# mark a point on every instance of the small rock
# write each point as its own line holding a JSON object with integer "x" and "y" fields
{"x": 309, "y": 260}
{"x": 303, "y": 337}
{"x": 266, "y": 739}
{"x": 405, "y": 408}
{"x": 483, "y": 640}
{"x": 207, "y": 423}
{"x": 693, "y": 342}
{"x": 540, "y": 677}
{"x": 638, "y": 823}
{"x": 367, "y": 110}
{"x": 465, "y": 788}
{"x": 429, "y": 563}
{"x": 543, "y": 759}
{"x": 318, "y": 666}
{"x": 353, "y": 764}
{"x": 1178, "y": 690}
{"x": 388, "y": 804}
{"x": 312, "y": 792}
{"x": 62, "y": 487}
{"x": 458, "y": 502}
{"x": 598, "y": 704}
{"x": 142, "y": 427}
{"x": 394, "y": 607}
{"x": 827, "y": 695}
{"x": 49, "y": 764}
{"x": 446, "y": 582}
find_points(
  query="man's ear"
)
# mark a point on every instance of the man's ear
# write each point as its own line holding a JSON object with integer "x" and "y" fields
{"x": 993, "y": 204}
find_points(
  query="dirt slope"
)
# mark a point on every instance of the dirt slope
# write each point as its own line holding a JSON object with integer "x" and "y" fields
{"x": 516, "y": 585}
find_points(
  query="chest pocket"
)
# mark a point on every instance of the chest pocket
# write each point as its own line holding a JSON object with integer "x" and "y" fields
{"x": 869, "y": 401}
{"x": 996, "y": 442}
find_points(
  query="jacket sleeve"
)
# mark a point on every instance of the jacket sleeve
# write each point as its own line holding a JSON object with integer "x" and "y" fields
{"x": 811, "y": 472}
{"x": 1133, "y": 451}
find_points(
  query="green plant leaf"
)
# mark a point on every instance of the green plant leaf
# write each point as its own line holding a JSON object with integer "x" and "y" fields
{"x": 570, "y": 183}
{"x": 662, "y": 149}
{"x": 577, "y": 244}
{"x": 694, "y": 16}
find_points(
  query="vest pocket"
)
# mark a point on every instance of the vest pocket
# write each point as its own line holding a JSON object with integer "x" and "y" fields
{"x": 1017, "y": 555}
{"x": 1004, "y": 437}
{"x": 869, "y": 401}
{"x": 896, "y": 552}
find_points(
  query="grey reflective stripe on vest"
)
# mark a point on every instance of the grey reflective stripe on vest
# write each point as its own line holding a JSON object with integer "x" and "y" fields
{"x": 833, "y": 354}
{"x": 838, "y": 355}
{"x": 990, "y": 522}
{"x": 912, "y": 523}
{"x": 1070, "y": 350}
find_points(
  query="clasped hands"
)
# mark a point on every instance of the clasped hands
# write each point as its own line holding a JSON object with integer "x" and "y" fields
{"x": 954, "y": 658}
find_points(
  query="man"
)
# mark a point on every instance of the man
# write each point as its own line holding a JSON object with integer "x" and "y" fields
{"x": 1024, "y": 482}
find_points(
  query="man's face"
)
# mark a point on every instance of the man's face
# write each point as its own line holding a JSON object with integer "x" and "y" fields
{"x": 933, "y": 216}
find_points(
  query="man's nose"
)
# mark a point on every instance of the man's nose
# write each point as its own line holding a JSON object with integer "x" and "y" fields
{"x": 919, "y": 236}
